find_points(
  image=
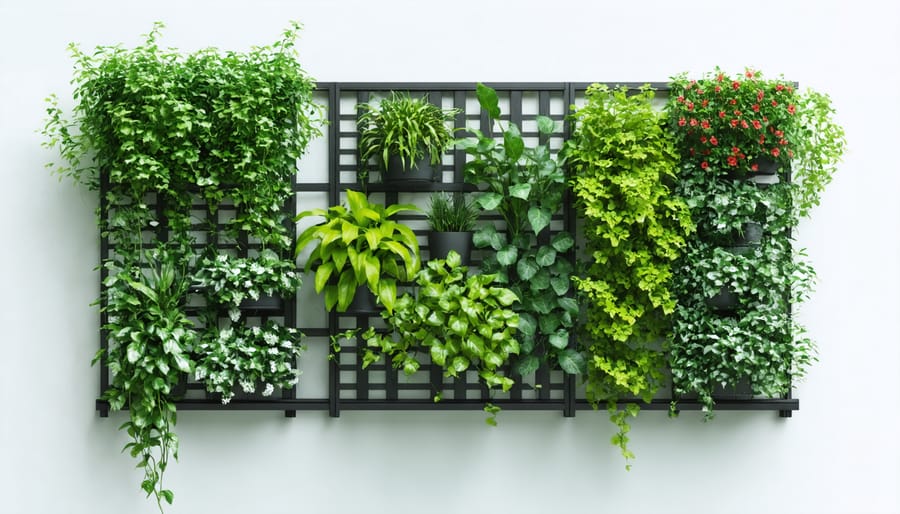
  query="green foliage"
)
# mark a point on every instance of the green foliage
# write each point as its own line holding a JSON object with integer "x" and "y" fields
{"x": 154, "y": 120}
{"x": 451, "y": 213}
{"x": 360, "y": 245}
{"x": 715, "y": 345}
{"x": 409, "y": 128}
{"x": 525, "y": 186}
{"x": 150, "y": 343}
{"x": 819, "y": 146}
{"x": 227, "y": 281}
{"x": 621, "y": 160}
{"x": 461, "y": 320}
{"x": 248, "y": 356}
{"x": 161, "y": 129}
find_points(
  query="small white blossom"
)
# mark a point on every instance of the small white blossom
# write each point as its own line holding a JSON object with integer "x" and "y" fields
{"x": 269, "y": 389}
{"x": 234, "y": 314}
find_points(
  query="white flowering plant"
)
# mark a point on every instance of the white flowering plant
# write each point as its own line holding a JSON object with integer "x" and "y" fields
{"x": 228, "y": 280}
{"x": 249, "y": 358}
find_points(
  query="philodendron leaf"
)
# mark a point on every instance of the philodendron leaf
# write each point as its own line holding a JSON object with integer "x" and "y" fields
{"x": 562, "y": 242}
{"x": 526, "y": 268}
{"x": 546, "y": 256}
{"x": 520, "y": 191}
{"x": 527, "y": 324}
{"x": 559, "y": 339}
{"x": 527, "y": 365}
{"x": 513, "y": 143}
{"x": 560, "y": 284}
{"x": 487, "y": 97}
{"x": 545, "y": 125}
{"x": 569, "y": 305}
{"x": 508, "y": 255}
{"x": 539, "y": 218}
{"x": 505, "y": 296}
{"x": 572, "y": 362}
{"x": 489, "y": 201}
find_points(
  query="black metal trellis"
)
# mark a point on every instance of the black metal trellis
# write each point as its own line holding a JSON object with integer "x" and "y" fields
{"x": 380, "y": 387}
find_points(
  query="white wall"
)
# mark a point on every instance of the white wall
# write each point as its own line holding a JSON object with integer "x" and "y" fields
{"x": 838, "y": 454}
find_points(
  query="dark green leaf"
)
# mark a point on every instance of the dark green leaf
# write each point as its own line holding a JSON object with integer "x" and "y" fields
{"x": 572, "y": 362}
{"x": 545, "y": 125}
{"x": 527, "y": 324}
{"x": 560, "y": 284}
{"x": 546, "y": 256}
{"x": 513, "y": 143}
{"x": 520, "y": 191}
{"x": 559, "y": 339}
{"x": 507, "y": 256}
{"x": 569, "y": 305}
{"x": 487, "y": 97}
{"x": 526, "y": 268}
{"x": 527, "y": 365}
{"x": 539, "y": 218}
{"x": 562, "y": 242}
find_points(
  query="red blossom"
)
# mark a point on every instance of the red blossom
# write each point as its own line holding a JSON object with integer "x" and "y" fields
{"x": 774, "y": 103}
{"x": 704, "y": 165}
{"x": 792, "y": 109}
{"x": 703, "y": 139}
{"x": 734, "y": 123}
{"x": 682, "y": 122}
{"x": 744, "y": 124}
{"x": 732, "y": 101}
{"x": 749, "y": 74}
{"x": 754, "y": 167}
{"x": 762, "y": 139}
{"x": 705, "y": 102}
{"x": 735, "y": 85}
{"x": 680, "y": 99}
{"x": 755, "y": 107}
{"x": 721, "y": 114}
{"x": 718, "y": 89}
{"x": 737, "y": 112}
{"x": 779, "y": 133}
{"x": 704, "y": 124}
{"x": 776, "y": 152}
{"x": 699, "y": 91}
{"x": 757, "y": 125}
{"x": 713, "y": 141}
{"x": 690, "y": 106}
{"x": 693, "y": 122}
{"x": 782, "y": 142}
{"x": 732, "y": 160}
{"x": 791, "y": 154}
{"x": 759, "y": 95}
{"x": 735, "y": 150}
{"x": 720, "y": 77}
{"x": 779, "y": 87}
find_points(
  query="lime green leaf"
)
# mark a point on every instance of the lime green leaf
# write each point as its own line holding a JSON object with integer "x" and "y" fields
{"x": 545, "y": 125}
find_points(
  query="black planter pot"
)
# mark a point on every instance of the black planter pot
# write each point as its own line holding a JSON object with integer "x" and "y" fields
{"x": 416, "y": 171}
{"x": 440, "y": 244}
{"x": 266, "y": 303}
{"x": 765, "y": 166}
{"x": 363, "y": 302}
{"x": 752, "y": 234}
{"x": 723, "y": 301}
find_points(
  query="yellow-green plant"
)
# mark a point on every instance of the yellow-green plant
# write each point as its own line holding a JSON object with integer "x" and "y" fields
{"x": 621, "y": 159}
{"x": 360, "y": 245}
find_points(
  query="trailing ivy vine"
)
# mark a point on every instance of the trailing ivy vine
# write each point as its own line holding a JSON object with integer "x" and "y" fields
{"x": 622, "y": 164}
{"x": 159, "y": 129}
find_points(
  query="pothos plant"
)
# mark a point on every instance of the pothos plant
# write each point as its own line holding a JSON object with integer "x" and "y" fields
{"x": 149, "y": 348}
{"x": 157, "y": 128}
{"x": 459, "y": 320}
{"x": 622, "y": 163}
{"x": 227, "y": 281}
{"x": 525, "y": 186}
{"x": 752, "y": 337}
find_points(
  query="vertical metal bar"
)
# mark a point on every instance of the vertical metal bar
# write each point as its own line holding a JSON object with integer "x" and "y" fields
{"x": 334, "y": 371}
{"x": 459, "y": 155}
{"x": 290, "y": 303}
{"x": 569, "y": 223}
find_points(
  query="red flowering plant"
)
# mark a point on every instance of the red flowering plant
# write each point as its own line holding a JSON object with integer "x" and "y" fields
{"x": 733, "y": 124}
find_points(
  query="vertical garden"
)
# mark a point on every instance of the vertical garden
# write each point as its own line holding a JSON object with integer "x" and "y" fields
{"x": 555, "y": 247}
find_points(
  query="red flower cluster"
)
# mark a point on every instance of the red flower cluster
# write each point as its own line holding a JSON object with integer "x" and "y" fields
{"x": 728, "y": 127}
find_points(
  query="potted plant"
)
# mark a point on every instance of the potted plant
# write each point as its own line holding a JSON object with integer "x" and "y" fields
{"x": 525, "y": 186}
{"x": 359, "y": 246}
{"x": 240, "y": 358}
{"x": 405, "y": 136}
{"x": 622, "y": 162}
{"x": 452, "y": 220}
{"x": 460, "y": 320}
{"x": 255, "y": 283}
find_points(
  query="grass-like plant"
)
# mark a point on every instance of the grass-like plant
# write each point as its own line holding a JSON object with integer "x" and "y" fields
{"x": 451, "y": 213}
{"x": 406, "y": 127}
